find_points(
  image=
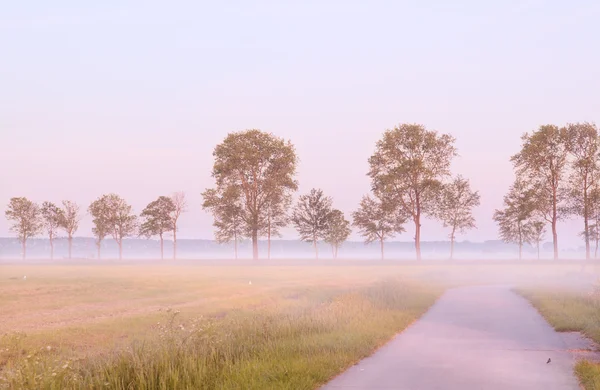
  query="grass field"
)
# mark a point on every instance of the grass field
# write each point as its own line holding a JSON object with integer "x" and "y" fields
{"x": 195, "y": 326}
{"x": 568, "y": 309}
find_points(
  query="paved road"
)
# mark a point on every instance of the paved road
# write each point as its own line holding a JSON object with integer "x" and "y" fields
{"x": 483, "y": 337}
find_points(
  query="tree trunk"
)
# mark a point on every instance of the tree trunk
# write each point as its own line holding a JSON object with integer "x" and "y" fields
{"x": 585, "y": 220}
{"x": 335, "y": 256}
{"x": 269, "y": 239}
{"x": 162, "y": 247}
{"x": 418, "y": 235}
{"x": 255, "y": 244}
{"x": 554, "y": 219}
{"x": 24, "y": 246}
{"x": 452, "y": 243}
{"x": 381, "y": 247}
{"x": 120, "y": 242}
{"x": 538, "y": 249}
{"x": 316, "y": 248}
{"x": 51, "y": 248}
{"x": 70, "y": 245}
{"x": 520, "y": 251}
{"x": 175, "y": 240}
{"x": 333, "y": 250}
{"x": 235, "y": 245}
{"x": 98, "y": 244}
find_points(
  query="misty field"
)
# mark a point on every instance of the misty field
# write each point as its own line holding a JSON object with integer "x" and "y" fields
{"x": 200, "y": 326}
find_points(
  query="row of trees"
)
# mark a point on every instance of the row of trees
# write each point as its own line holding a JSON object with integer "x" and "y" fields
{"x": 255, "y": 179}
{"x": 557, "y": 175}
{"x": 111, "y": 214}
{"x": 255, "y": 173}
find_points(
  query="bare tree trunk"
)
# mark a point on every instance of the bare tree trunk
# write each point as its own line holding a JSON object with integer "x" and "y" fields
{"x": 418, "y": 235}
{"x": 70, "y": 245}
{"x": 585, "y": 219}
{"x": 175, "y": 240}
{"x": 120, "y": 249}
{"x": 316, "y": 249}
{"x": 255, "y": 244}
{"x": 520, "y": 251}
{"x": 538, "y": 249}
{"x": 162, "y": 247}
{"x": 336, "y": 252}
{"x": 554, "y": 219}
{"x": 235, "y": 245}
{"x": 24, "y": 248}
{"x": 98, "y": 244}
{"x": 596, "y": 250}
{"x": 452, "y": 243}
{"x": 269, "y": 238}
{"x": 51, "y": 248}
{"x": 333, "y": 250}
{"x": 381, "y": 247}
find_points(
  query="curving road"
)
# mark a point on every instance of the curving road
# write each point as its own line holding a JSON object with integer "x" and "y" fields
{"x": 484, "y": 337}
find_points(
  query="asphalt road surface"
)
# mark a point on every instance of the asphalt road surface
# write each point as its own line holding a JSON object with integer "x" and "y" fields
{"x": 483, "y": 337}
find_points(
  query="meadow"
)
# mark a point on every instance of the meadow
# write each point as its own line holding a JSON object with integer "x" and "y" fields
{"x": 198, "y": 325}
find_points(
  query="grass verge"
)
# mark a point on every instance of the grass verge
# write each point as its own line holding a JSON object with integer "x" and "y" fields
{"x": 571, "y": 311}
{"x": 298, "y": 346}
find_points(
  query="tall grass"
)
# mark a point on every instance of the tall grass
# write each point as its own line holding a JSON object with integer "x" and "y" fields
{"x": 293, "y": 347}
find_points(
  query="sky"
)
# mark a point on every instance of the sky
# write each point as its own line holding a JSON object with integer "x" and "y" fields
{"x": 131, "y": 97}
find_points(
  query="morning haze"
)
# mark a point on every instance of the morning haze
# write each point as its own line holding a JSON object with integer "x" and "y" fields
{"x": 153, "y": 151}
{"x": 132, "y": 99}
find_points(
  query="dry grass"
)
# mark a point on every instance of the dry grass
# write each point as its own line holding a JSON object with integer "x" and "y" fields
{"x": 292, "y": 327}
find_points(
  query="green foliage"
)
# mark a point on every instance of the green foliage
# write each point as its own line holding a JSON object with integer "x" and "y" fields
{"x": 25, "y": 217}
{"x": 253, "y": 170}
{"x": 311, "y": 216}
{"x": 157, "y": 217}
{"x": 408, "y": 167}
{"x": 455, "y": 206}
{"x": 112, "y": 215}
{"x": 71, "y": 217}
{"x": 338, "y": 230}
{"x": 52, "y": 218}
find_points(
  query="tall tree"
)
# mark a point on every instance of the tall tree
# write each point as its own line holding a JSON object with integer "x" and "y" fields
{"x": 338, "y": 231}
{"x": 455, "y": 208}
{"x": 408, "y": 166}
{"x": 157, "y": 219}
{"x": 180, "y": 203}
{"x": 276, "y": 210}
{"x": 583, "y": 145}
{"x": 536, "y": 230}
{"x": 519, "y": 207}
{"x": 378, "y": 220}
{"x": 70, "y": 221}
{"x": 260, "y": 167}
{"x": 100, "y": 213}
{"x": 311, "y": 217}
{"x": 52, "y": 218}
{"x": 26, "y": 220}
{"x": 227, "y": 216}
{"x": 112, "y": 215}
{"x": 543, "y": 160}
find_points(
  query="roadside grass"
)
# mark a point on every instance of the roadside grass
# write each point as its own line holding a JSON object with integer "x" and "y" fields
{"x": 569, "y": 310}
{"x": 293, "y": 346}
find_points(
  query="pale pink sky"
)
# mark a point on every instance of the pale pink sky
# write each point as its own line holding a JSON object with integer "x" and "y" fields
{"x": 133, "y": 98}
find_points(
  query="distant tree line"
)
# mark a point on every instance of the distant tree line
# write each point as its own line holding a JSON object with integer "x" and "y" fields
{"x": 557, "y": 175}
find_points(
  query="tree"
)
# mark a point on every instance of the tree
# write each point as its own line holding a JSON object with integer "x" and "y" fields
{"x": 70, "y": 221}
{"x": 583, "y": 145}
{"x": 378, "y": 220}
{"x": 519, "y": 207}
{"x": 338, "y": 231}
{"x": 26, "y": 221}
{"x": 52, "y": 218}
{"x": 260, "y": 168}
{"x": 276, "y": 217}
{"x": 311, "y": 217}
{"x": 180, "y": 203}
{"x": 227, "y": 216}
{"x": 112, "y": 215}
{"x": 535, "y": 232}
{"x": 100, "y": 213}
{"x": 543, "y": 161}
{"x": 158, "y": 219}
{"x": 407, "y": 168}
{"x": 455, "y": 208}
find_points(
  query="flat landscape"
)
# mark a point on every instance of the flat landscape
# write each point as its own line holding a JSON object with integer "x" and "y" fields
{"x": 242, "y": 324}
